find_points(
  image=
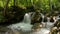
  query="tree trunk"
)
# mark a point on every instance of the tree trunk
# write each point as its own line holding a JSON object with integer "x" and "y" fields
{"x": 14, "y": 3}
{"x": 50, "y": 3}
{"x": 5, "y": 8}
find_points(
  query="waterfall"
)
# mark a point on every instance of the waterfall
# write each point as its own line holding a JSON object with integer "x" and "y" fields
{"x": 27, "y": 18}
{"x": 45, "y": 30}
{"x": 49, "y": 24}
{"x": 43, "y": 20}
{"x": 42, "y": 16}
{"x": 24, "y": 25}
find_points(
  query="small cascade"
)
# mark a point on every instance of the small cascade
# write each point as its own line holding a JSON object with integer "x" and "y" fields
{"x": 42, "y": 16}
{"x": 24, "y": 25}
{"x": 32, "y": 16}
{"x": 27, "y": 18}
{"x": 46, "y": 26}
{"x": 43, "y": 20}
{"x": 48, "y": 19}
{"x": 49, "y": 24}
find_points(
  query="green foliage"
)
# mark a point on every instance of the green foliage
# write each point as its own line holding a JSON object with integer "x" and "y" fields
{"x": 2, "y": 18}
{"x": 41, "y": 4}
{"x": 44, "y": 5}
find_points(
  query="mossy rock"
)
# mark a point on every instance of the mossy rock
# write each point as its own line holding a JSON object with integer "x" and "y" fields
{"x": 36, "y": 26}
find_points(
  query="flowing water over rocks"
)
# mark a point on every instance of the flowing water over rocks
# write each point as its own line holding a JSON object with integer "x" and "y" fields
{"x": 25, "y": 27}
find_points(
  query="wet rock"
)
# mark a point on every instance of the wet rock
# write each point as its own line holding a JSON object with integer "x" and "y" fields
{"x": 36, "y": 17}
{"x": 51, "y": 19}
{"x": 36, "y": 26}
{"x": 4, "y": 30}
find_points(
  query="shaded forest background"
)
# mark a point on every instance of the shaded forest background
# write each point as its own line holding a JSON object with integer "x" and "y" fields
{"x": 12, "y": 11}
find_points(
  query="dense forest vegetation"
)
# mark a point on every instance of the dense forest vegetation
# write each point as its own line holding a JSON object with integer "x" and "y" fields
{"x": 13, "y": 11}
{"x": 9, "y": 9}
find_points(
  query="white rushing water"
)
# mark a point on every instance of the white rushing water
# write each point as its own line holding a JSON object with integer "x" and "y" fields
{"x": 46, "y": 28}
{"x": 25, "y": 26}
